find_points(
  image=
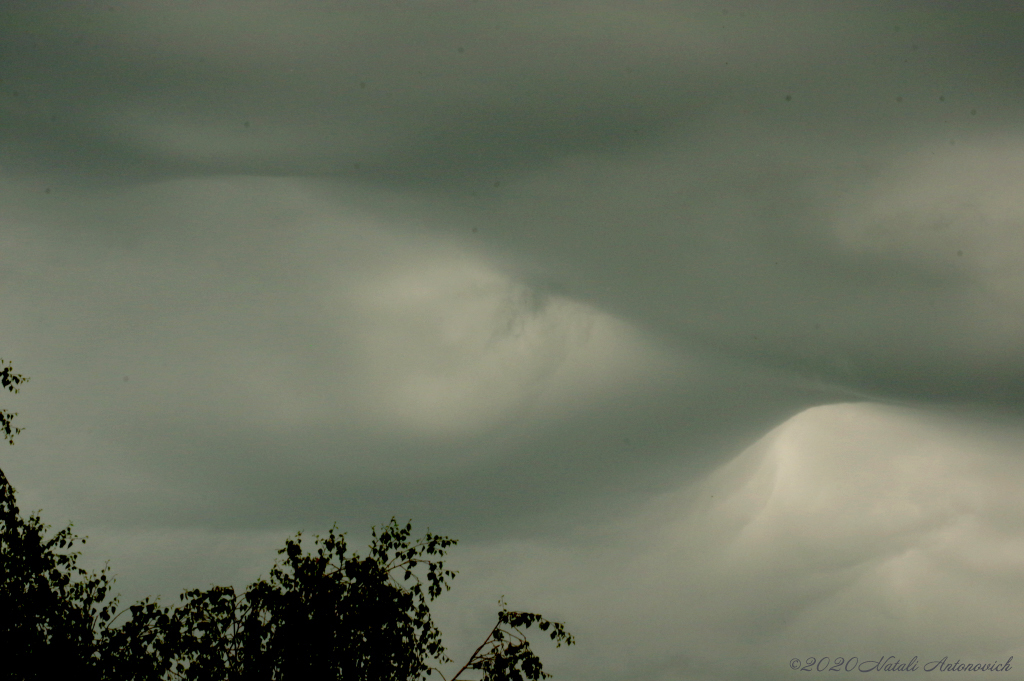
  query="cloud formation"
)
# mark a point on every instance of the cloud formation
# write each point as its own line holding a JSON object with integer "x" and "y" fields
{"x": 852, "y": 530}
{"x": 699, "y": 323}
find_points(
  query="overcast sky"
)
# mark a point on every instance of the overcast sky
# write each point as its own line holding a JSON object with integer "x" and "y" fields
{"x": 700, "y": 324}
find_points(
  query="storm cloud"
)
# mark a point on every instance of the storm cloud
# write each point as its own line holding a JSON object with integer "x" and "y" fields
{"x": 699, "y": 323}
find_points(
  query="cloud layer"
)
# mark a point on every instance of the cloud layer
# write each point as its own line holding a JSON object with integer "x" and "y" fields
{"x": 699, "y": 323}
{"x": 852, "y": 530}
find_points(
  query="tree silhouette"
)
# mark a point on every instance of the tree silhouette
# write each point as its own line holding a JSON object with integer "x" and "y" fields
{"x": 10, "y": 381}
{"x": 322, "y": 614}
{"x": 49, "y": 607}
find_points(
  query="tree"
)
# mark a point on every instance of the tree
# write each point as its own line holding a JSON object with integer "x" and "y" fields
{"x": 10, "y": 381}
{"x": 506, "y": 653}
{"x": 49, "y": 607}
{"x": 322, "y": 614}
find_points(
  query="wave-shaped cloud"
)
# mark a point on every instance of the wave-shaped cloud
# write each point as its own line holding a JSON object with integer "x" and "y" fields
{"x": 851, "y": 530}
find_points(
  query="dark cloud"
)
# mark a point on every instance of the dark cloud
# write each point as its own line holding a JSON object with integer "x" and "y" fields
{"x": 701, "y": 323}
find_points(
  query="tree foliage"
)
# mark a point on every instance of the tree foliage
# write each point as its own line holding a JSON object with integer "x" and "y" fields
{"x": 506, "y": 652}
{"x": 322, "y": 614}
{"x": 10, "y": 381}
{"x": 50, "y": 609}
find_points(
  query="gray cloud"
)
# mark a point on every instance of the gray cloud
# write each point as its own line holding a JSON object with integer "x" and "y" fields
{"x": 537, "y": 276}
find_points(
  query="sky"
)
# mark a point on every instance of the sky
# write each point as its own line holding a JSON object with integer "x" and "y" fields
{"x": 699, "y": 324}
